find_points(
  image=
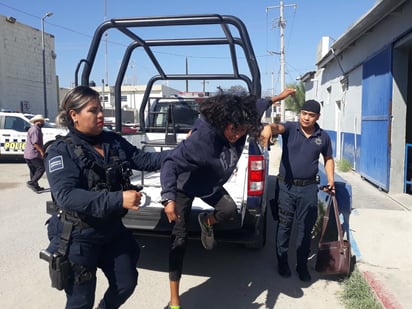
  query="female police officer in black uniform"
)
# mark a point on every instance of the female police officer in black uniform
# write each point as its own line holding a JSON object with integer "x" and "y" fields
{"x": 88, "y": 174}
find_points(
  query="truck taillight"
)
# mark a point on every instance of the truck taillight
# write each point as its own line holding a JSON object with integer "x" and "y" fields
{"x": 256, "y": 175}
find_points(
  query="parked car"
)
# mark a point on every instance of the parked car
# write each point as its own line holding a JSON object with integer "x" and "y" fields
{"x": 126, "y": 127}
{"x": 13, "y": 133}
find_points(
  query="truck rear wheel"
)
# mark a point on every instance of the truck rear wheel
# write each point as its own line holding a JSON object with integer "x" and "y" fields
{"x": 260, "y": 233}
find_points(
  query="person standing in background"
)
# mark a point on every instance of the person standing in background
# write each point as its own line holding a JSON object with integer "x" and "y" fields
{"x": 34, "y": 153}
{"x": 302, "y": 144}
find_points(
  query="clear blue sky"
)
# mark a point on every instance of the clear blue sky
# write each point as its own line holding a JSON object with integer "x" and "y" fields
{"x": 74, "y": 22}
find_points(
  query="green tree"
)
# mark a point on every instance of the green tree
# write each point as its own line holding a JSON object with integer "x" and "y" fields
{"x": 237, "y": 89}
{"x": 295, "y": 102}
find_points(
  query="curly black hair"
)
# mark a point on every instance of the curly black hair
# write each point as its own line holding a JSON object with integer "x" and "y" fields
{"x": 224, "y": 109}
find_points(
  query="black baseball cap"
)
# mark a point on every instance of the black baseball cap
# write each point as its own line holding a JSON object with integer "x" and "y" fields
{"x": 311, "y": 106}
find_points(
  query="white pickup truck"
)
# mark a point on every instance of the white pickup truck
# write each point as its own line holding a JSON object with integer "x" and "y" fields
{"x": 247, "y": 185}
{"x": 13, "y": 133}
{"x": 164, "y": 122}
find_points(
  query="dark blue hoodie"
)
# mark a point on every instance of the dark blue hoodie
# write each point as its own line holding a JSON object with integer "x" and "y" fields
{"x": 203, "y": 162}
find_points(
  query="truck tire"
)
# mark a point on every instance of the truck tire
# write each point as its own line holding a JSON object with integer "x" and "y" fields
{"x": 260, "y": 233}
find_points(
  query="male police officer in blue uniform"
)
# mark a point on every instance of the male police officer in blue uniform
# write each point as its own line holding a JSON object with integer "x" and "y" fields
{"x": 302, "y": 144}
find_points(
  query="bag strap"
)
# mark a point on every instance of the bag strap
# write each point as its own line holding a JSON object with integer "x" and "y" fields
{"x": 325, "y": 222}
{"x": 339, "y": 226}
{"x": 334, "y": 203}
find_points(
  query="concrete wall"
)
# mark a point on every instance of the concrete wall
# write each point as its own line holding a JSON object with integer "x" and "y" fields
{"x": 132, "y": 95}
{"x": 21, "y": 69}
{"x": 337, "y": 84}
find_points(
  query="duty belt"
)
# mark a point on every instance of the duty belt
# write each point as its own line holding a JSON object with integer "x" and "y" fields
{"x": 72, "y": 217}
{"x": 298, "y": 182}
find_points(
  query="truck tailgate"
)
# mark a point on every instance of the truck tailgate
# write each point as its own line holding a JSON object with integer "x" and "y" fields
{"x": 236, "y": 186}
{"x": 151, "y": 216}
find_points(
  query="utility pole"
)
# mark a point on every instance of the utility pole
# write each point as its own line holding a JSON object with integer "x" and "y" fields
{"x": 282, "y": 25}
{"x": 187, "y": 72}
{"x": 43, "y": 44}
{"x": 106, "y": 75}
{"x": 204, "y": 85}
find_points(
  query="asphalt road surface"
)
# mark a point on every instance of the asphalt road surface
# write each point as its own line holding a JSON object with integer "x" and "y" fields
{"x": 228, "y": 277}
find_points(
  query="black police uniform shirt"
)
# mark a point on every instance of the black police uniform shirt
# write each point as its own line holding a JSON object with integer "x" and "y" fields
{"x": 202, "y": 163}
{"x": 67, "y": 173}
{"x": 300, "y": 155}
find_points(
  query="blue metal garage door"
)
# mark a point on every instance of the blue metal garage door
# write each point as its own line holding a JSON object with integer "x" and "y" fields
{"x": 376, "y": 111}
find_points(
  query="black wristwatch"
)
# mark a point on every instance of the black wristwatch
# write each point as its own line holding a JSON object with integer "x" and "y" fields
{"x": 165, "y": 202}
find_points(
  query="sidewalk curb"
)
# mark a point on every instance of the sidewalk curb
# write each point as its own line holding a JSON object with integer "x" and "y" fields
{"x": 387, "y": 300}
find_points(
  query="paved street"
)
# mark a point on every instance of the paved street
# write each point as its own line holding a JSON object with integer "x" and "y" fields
{"x": 228, "y": 277}
{"x": 248, "y": 276}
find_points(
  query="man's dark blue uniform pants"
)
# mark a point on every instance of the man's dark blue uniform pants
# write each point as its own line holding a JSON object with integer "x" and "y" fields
{"x": 296, "y": 203}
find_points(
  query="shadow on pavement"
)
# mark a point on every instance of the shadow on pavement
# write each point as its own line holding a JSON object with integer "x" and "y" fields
{"x": 236, "y": 277}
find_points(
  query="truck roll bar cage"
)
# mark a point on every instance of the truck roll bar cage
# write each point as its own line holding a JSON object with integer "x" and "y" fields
{"x": 130, "y": 28}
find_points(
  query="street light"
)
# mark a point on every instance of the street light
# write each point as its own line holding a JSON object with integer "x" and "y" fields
{"x": 44, "y": 61}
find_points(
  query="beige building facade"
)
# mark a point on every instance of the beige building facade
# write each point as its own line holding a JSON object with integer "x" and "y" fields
{"x": 21, "y": 69}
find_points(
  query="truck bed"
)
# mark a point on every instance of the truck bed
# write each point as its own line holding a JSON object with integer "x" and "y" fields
{"x": 151, "y": 215}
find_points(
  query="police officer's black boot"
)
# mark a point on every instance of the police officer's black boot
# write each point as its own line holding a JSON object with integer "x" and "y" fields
{"x": 101, "y": 305}
{"x": 303, "y": 273}
{"x": 283, "y": 266}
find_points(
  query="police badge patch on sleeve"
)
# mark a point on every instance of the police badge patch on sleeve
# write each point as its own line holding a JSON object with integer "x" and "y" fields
{"x": 55, "y": 164}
